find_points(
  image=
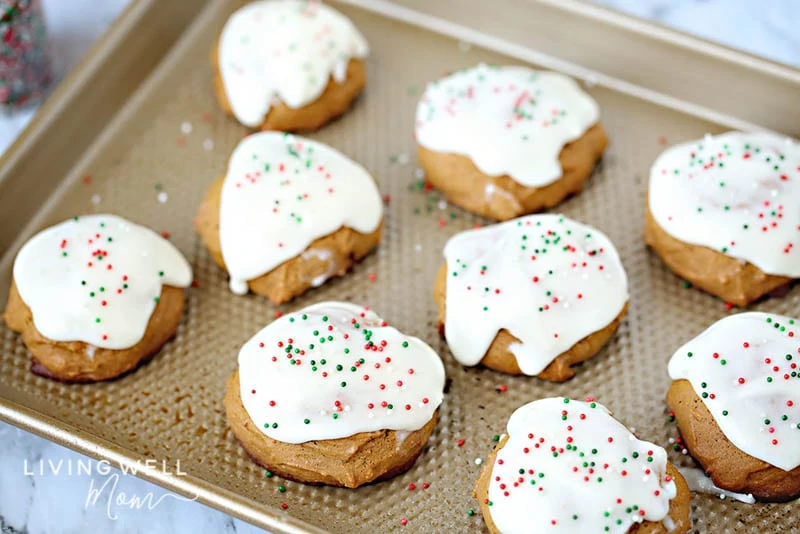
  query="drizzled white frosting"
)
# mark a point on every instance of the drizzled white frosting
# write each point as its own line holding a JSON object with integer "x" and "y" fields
{"x": 737, "y": 193}
{"x": 508, "y": 120}
{"x": 333, "y": 370}
{"x": 97, "y": 279}
{"x": 568, "y": 466}
{"x": 699, "y": 482}
{"x": 745, "y": 370}
{"x": 285, "y": 50}
{"x": 550, "y": 281}
{"x": 281, "y": 192}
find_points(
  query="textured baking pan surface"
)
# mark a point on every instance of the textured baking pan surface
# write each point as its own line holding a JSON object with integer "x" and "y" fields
{"x": 154, "y": 164}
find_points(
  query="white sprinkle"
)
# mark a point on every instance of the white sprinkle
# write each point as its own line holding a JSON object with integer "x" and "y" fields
{"x": 402, "y": 159}
{"x": 707, "y": 137}
{"x": 789, "y": 141}
{"x": 417, "y": 248}
{"x": 442, "y": 204}
{"x": 347, "y": 408}
{"x": 96, "y": 199}
{"x": 464, "y": 46}
{"x": 671, "y": 441}
{"x": 186, "y": 128}
{"x": 208, "y": 144}
{"x": 163, "y": 197}
{"x": 419, "y": 173}
{"x": 478, "y": 461}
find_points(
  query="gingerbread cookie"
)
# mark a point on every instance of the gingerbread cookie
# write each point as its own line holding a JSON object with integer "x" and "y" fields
{"x": 289, "y": 214}
{"x": 722, "y": 213}
{"x": 531, "y": 296}
{"x": 736, "y": 398}
{"x": 332, "y": 395}
{"x": 95, "y": 296}
{"x": 288, "y": 65}
{"x": 569, "y": 466}
{"x": 507, "y": 141}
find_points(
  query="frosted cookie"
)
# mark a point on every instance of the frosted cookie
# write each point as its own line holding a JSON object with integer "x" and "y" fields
{"x": 95, "y": 296}
{"x": 736, "y": 398}
{"x": 332, "y": 395}
{"x": 532, "y": 296}
{"x": 507, "y": 141}
{"x": 289, "y": 214}
{"x": 288, "y": 65}
{"x": 569, "y": 466}
{"x": 723, "y": 213}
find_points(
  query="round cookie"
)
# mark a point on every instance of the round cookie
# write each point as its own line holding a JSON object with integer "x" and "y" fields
{"x": 722, "y": 213}
{"x": 507, "y": 141}
{"x": 532, "y": 296}
{"x": 95, "y": 296}
{"x": 289, "y": 214}
{"x": 288, "y": 65}
{"x": 332, "y": 395}
{"x": 569, "y": 466}
{"x": 736, "y": 398}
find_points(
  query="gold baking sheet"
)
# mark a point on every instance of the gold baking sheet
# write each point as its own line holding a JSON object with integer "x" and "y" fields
{"x": 153, "y": 163}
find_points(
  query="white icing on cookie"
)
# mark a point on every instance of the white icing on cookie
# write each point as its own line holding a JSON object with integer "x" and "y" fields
{"x": 569, "y": 466}
{"x": 550, "y": 281}
{"x": 333, "y": 370}
{"x": 737, "y": 193}
{"x": 281, "y": 193}
{"x": 745, "y": 370}
{"x": 508, "y": 120}
{"x": 285, "y": 50}
{"x": 97, "y": 279}
{"x": 699, "y": 482}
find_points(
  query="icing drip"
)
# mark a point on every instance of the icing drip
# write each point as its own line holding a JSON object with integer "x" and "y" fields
{"x": 321, "y": 255}
{"x": 284, "y": 50}
{"x": 568, "y": 466}
{"x": 97, "y": 279}
{"x": 735, "y": 193}
{"x": 550, "y": 281}
{"x": 744, "y": 369}
{"x": 333, "y": 370}
{"x": 281, "y": 193}
{"x": 699, "y": 482}
{"x": 508, "y": 120}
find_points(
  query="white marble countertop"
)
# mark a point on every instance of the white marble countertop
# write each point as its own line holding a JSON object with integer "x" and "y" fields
{"x": 59, "y": 503}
